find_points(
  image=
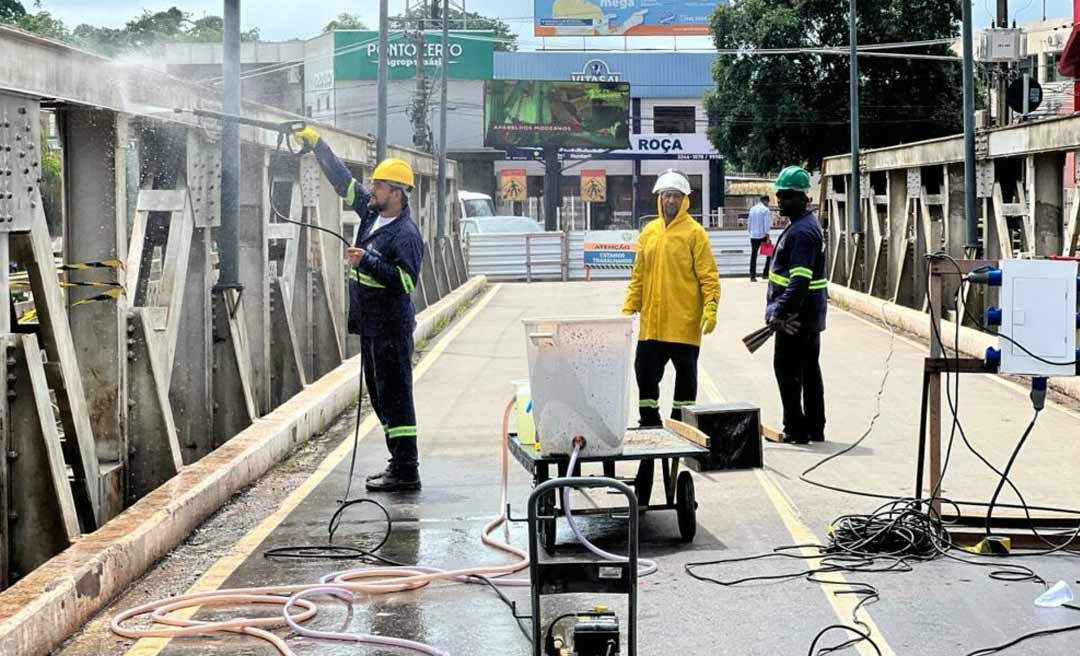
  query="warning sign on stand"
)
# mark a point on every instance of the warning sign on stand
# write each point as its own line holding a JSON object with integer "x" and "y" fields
{"x": 594, "y": 185}
{"x": 610, "y": 248}
{"x": 512, "y": 185}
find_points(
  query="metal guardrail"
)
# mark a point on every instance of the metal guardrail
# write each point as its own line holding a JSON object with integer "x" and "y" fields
{"x": 561, "y": 256}
{"x": 518, "y": 256}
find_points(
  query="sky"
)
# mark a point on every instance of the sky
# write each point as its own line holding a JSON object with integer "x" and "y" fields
{"x": 278, "y": 20}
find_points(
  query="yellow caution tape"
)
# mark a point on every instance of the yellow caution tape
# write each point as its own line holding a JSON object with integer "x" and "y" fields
{"x": 112, "y": 294}
{"x": 80, "y": 266}
{"x": 26, "y": 283}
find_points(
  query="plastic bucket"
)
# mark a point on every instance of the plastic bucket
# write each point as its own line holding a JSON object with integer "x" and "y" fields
{"x": 579, "y": 371}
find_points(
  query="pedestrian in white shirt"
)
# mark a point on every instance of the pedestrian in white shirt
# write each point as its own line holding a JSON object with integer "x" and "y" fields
{"x": 758, "y": 226}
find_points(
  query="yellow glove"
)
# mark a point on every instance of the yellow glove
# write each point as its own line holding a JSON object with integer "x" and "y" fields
{"x": 308, "y": 137}
{"x": 708, "y": 319}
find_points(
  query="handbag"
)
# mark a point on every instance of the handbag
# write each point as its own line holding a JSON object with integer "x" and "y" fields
{"x": 767, "y": 248}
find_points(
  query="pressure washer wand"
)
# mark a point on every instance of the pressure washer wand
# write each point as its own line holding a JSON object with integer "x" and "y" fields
{"x": 284, "y": 129}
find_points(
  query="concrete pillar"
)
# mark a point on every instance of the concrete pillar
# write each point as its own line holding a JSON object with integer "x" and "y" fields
{"x": 896, "y": 225}
{"x": 330, "y": 218}
{"x": 1046, "y": 189}
{"x": 1043, "y": 73}
{"x": 254, "y": 275}
{"x": 96, "y": 187}
{"x": 191, "y": 392}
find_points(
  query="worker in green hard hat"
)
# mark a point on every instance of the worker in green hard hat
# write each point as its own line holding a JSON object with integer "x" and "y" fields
{"x": 797, "y": 303}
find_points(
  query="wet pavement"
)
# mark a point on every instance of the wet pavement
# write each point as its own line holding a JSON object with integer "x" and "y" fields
{"x": 943, "y": 607}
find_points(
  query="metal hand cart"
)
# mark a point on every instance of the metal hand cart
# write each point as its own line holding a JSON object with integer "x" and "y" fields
{"x": 644, "y": 445}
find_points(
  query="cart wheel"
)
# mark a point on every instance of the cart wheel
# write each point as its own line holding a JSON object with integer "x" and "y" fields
{"x": 686, "y": 506}
{"x": 547, "y": 527}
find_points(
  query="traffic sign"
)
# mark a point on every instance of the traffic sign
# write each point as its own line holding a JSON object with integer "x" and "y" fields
{"x": 512, "y": 185}
{"x": 1014, "y": 96}
{"x": 594, "y": 185}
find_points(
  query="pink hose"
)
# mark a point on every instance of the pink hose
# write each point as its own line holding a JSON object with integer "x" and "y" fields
{"x": 344, "y": 585}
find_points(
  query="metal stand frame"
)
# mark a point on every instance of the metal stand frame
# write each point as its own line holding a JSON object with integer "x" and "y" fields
{"x": 937, "y": 364}
{"x": 581, "y": 576}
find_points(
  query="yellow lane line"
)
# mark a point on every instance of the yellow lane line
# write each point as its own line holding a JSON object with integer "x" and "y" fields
{"x": 842, "y": 605}
{"x": 221, "y": 570}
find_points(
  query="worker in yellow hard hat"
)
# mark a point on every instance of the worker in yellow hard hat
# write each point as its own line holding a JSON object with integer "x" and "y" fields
{"x": 385, "y": 265}
{"x": 676, "y": 288}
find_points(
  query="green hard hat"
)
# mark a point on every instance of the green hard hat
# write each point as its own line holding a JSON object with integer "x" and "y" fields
{"x": 794, "y": 178}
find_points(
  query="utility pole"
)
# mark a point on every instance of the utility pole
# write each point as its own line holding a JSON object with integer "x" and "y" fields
{"x": 854, "y": 197}
{"x": 440, "y": 202}
{"x": 384, "y": 49}
{"x": 421, "y": 138}
{"x": 1002, "y": 83}
{"x": 229, "y": 232}
{"x": 971, "y": 219}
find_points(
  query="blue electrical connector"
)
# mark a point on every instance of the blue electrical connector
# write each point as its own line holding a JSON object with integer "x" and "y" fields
{"x": 990, "y": 277}
{"x": 993, "y": 357}
{"x": 994, "y": 316}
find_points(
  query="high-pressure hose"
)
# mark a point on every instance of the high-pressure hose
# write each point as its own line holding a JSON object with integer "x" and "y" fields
{"x": 645, "y": 567}
{"x": 345, "y": 585}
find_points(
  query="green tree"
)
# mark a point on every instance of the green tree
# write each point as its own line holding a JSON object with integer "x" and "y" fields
{"x": 505, "y": 39}
{"x": 11, "y": 11}
{"x": 772, "y": 110}
{"x": 41, "y": 22}
{"x": 211, "y": 29}
{"x": 345, "y": 21}
{"x": 148, "y": 31}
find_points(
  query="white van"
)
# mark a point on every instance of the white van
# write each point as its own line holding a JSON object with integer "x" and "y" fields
{"x": 473, "y": 204}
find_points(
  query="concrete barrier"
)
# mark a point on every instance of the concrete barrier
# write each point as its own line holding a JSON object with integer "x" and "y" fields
{"x": 972, "y": 342}
{"x": 52, "y": 602}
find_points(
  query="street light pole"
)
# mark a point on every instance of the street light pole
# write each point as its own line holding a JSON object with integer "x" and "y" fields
{"x": 854, "y": 197}
{"x": 229, "y": 232}
{"x": 440, "y": 202}
{"x": 380, "y": 93}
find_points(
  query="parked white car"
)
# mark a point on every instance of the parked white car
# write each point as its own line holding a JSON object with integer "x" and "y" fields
{"x": 485, "y": 225}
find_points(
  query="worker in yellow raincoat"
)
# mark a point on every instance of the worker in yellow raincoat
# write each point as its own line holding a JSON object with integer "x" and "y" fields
{"x": 676, "y": 289}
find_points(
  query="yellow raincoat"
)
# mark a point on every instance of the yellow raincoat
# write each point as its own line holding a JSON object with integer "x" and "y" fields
{"x": 674, "y": 278}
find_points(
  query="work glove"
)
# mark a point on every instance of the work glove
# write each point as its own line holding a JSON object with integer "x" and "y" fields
{"x": 308, "y": 137}
{"x": 708, "y": 319}
{"x": 787, "y": 326}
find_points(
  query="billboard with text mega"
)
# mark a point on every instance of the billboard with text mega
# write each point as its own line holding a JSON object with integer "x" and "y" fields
{"x": 533, "y": 113}
{"x": 623, "y": 17}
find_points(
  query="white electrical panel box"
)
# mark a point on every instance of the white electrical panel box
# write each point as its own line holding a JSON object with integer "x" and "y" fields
{"x": 999, "y": 45}
{"x": 1038, "y": 310}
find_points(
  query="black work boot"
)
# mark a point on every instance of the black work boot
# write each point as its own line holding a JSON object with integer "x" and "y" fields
{"x": 389, "y": 469}
{"x": 394, "y": 481}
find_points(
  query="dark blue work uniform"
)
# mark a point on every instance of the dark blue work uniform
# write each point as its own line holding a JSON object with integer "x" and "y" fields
{"x": 382, "y": 313}
{"x": 798, "y": 288}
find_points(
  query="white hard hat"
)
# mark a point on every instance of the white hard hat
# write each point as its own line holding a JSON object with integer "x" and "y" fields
{"x": 672, "y": 180}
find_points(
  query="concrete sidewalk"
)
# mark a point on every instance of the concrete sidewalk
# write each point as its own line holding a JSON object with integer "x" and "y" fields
{"x": 944, "y": 607}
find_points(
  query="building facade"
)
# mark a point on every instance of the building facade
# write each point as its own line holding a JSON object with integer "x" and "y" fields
{"x": 332, "y": 78}
{"x": 668, "y": 131}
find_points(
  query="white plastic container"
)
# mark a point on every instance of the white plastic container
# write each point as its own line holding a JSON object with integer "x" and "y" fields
{"x": 579, "y": 371}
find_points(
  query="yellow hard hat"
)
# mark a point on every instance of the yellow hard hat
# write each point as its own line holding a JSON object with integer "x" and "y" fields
{"x": 394, "y": 170}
